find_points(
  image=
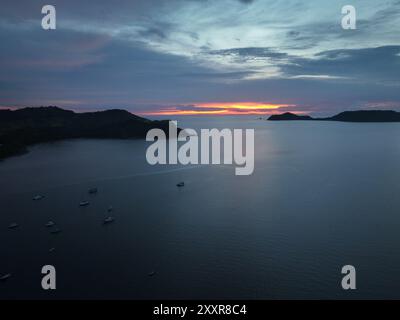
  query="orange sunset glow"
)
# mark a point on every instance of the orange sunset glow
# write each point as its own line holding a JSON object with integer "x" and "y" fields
{"x": 222, "y": 108}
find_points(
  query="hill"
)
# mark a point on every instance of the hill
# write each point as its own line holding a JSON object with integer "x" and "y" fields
{"x": 27, "y": 126}
{"x": 347, "y": 116}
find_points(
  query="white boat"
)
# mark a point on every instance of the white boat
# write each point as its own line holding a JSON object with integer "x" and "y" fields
{"x": 13, "y": 225}
{"x": 50, "y": 224}
{"x": 84, "y": 203}
{"x": 55, "y": 231}
{"x": 5, "y": 277}
{"x": 38, "y": 197}
{"x": 108, "y": 220}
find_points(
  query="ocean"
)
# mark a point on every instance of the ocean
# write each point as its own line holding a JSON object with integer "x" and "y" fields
{"x": 322, "y": 195}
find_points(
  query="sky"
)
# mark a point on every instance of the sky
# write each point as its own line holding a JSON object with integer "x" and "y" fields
{"x": 196, "y": 57}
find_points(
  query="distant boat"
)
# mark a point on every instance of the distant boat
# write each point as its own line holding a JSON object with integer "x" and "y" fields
{"x": 110, "y": 208}
{"x": 84, "y": 204}
{"x": 108, "y": 220}
{"x": 49, "y": 224}
{"x": 93, "y": 191}
{"x": 180, "y": 184}
{"x": 38, "y": 197}
{"x": 55, "y": 231}
{"x": 13, "y": 225}
{"x": 152, "y": 273}
{"x": 5, "y": 277}
{"x": 52, "y": 249}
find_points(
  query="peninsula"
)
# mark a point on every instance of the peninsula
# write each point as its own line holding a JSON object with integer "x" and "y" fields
{"x": 346, "y": 116}
{"x": 27, "y": 126}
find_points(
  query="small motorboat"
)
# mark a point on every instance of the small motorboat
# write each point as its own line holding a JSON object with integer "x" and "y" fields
{"x": 110, "y": 208}
{"x": 180, "y": 184}
{"x": 5, "y": 277}
{"x": 49, "y": 224}
{"x": 84, "y": 203}
{"x": 37, "y": 198}
{"x": 93, "y": 191}
{"x": 108, "y": 220}
{"x": 55, "y": 231}
{"x": 52, "y": 249}
{"x": 151, "y": 274}
{"x": 13, "y": 225}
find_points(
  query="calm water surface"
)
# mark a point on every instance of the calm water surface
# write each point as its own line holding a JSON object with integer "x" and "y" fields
{"x": 323, "y": 195}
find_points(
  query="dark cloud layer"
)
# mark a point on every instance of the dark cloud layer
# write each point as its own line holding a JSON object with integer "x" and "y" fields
{"x": 91, "y": 64}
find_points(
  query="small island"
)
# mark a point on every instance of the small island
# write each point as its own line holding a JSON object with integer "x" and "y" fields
{"x": 346, "y": 116}
{"x": 27, "y": 126}
{"x": 288, "y": 116}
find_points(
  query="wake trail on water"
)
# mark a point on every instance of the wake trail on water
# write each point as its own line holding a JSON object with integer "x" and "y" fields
{"x": 115, "y": 178}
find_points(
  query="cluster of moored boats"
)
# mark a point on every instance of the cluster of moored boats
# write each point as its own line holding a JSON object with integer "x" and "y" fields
{"x": 55, "y": 230}
{"x": 50, "y": 224}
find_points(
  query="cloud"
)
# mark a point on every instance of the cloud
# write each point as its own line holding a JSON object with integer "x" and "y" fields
{"x": 252, "y": 52}
{"x": 374, "y": 65}
{"x": 35, "y": 49}
{"x": 224, "y": 108}
{"x": 157, "y": 54}
{"x": 379, "y": 64}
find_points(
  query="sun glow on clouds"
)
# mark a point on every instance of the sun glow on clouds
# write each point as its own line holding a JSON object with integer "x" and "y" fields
{"x": 220, "y": 108}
